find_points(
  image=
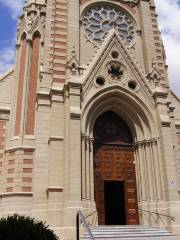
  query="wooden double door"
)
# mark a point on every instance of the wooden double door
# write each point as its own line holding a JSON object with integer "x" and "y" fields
{"x": 115, "y": 185}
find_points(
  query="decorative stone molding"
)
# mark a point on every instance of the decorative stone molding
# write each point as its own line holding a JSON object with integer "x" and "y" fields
{"x": 130, "y": 2}
{"x": 54, "y": 189}
{"x": 16, "y": 194}
{"x": 154, "y": 77}
{"x": 4, "y": 110}
{"x": 160, "y": 93}
{"x": 19, "y": 148}
{"x": 177, "y": 124}
{"x": 32, "y": 20}
{"x": 30, "y": 2}
{"x": 165, "y": 120}
{"x": 145, "y": 142}
{"x": 75, "y": 112}
{"x": 132, "y": 69}
{"x": 55, "y": 139}
{"x": 73, "y": 64}
{"x": 43, "y": 98}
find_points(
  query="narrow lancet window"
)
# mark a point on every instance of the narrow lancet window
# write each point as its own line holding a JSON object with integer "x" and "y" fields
{"x": 22, "y": 64}
{"x": 33, "y": 76}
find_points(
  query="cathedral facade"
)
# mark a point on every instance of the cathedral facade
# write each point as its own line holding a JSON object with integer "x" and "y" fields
{"x": 87, "y": 117}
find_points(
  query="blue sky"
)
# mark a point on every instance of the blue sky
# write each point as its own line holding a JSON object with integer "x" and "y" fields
{"x": 169, "y": 22}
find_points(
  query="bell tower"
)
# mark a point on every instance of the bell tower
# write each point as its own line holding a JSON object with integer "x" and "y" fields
{"x": 20, "y": 148}
{"x": 90, "y": 105}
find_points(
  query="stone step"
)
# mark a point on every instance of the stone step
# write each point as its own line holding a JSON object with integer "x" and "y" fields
{"x": 124, "y": 226}
{"x": 127, "y": 235}
{"x": 126, "y": 230}
{"x": 130, "y": 232}
{"x": 135, "y": 227}
{"x": 138, "y": 238}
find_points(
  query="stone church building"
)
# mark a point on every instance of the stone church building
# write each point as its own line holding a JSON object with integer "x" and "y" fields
{"x": 87, "y": 117}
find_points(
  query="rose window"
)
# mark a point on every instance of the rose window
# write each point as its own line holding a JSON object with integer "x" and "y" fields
{"x": 98, "y": 20}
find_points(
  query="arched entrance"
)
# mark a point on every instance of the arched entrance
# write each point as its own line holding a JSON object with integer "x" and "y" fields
{"x": 114, "y": 171}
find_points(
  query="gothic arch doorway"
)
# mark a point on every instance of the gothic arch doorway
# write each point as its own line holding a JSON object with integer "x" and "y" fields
{"x": 114, "y": 171}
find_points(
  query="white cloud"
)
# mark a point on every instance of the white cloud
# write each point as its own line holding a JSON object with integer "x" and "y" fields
{"x": 7, "y": 56}
{"x": 14, "y": 6}
{"x": 169, "y": 22}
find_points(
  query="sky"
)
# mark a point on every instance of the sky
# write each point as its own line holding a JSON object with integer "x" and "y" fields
{"x": 169, "y": 23}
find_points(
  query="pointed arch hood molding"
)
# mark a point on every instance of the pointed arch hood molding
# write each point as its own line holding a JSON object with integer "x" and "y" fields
{"x": 147, "y": 154}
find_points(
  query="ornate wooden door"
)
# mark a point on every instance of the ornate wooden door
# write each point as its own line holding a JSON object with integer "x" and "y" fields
{"x": 118, "y": 165}
{"x": 114, "y": 161}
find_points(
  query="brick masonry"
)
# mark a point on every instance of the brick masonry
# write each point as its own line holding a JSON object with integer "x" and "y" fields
{"x": 59, "y": 40}
{"x": 34, "y": 67}
{"x": 18, "y": 170}
{"x": 3, "y": 128}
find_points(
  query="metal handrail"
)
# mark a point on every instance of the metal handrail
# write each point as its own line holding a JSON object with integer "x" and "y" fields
{"x": 81, "y": 219}
{"x": 159, "y": 214}
{"x": 90, "y": 214}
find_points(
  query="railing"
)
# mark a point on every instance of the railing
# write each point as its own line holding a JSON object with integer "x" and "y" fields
{"x": 80, "y": 218}
{"x": 158, "y": 214}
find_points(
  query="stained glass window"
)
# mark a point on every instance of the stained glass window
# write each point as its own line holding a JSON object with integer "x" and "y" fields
{"x": 98, "y": 20}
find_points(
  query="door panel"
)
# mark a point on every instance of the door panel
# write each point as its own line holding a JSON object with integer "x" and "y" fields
{"x": 115, "y": 164}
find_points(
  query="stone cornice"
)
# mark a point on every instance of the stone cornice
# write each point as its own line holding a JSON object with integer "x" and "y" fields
{"x": 16, "y": 148}
{"x": 55, "y": 189}
{"x": 146, "y": 142}
{"x": 4, "y": 109}
{"x": 16, "y": 194}
{"x": 55, "y": 139}
{"x": 7, "y": 73}
{"x": 134, "y": 2}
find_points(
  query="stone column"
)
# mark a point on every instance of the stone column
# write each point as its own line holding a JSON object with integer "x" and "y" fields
{"x": 151, "y": 177}
{"x": 83, "y": 167}
{"x": 72, "y": 198}
{"x": 87, "y": 168}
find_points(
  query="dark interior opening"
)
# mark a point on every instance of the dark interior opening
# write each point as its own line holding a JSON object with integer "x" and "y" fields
{"x": 114, "y": 203}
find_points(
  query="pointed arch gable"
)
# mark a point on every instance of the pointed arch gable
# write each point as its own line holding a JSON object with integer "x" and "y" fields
{"x": 132, "y": 109}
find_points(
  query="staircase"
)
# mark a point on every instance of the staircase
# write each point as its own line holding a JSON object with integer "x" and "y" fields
{"x": 130, "y": 233}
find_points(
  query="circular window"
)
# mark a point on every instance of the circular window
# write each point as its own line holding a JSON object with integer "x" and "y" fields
{"x": 98, "y": 20}
{"x": 115, "y": 54}
{"x": 132, "y": 85}
{"x": 100, "y": 81}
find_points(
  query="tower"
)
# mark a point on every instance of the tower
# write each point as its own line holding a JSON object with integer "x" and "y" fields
{"x": 88, "y": 109}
